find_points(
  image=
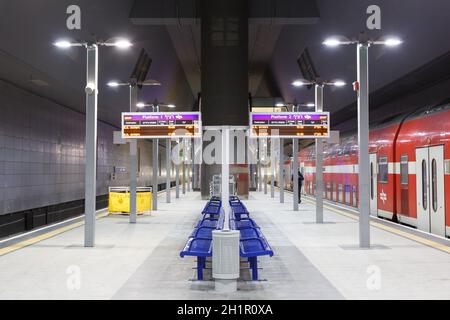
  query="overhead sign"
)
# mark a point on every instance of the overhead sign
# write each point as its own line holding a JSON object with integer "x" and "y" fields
{"x": 149, "y": 125}
{"x": 302, "y": 125}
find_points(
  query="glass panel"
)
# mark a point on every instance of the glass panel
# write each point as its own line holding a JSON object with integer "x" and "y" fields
{"x": 404, "y": 169}
{"x": 434, "y": 184}
{"x": 383, "y": 170}
{"x": 424, "y": 185}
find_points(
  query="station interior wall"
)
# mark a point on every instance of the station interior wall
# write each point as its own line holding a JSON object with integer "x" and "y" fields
{"x": 42, "y": 153}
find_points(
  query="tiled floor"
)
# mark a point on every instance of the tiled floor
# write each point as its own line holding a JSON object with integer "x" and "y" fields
{"x": 142, "y": 261}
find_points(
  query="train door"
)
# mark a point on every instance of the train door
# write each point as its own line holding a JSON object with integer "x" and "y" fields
{"x": 430, "y": 189}
{"x": 373, "y": 185}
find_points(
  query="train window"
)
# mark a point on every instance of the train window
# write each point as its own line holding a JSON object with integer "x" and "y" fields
{"x": 371, "y": 180}
{"x": 383, "y": 170}
{"x": 340, "y": 152}
{"x": 355, "y": 150}
{"x": 347, "y": 149}
{"x": 424, "y": 185}
{"x": 434, "y": 185}
{"x": 404, "y": 169}
{"x": 333, "y": 152}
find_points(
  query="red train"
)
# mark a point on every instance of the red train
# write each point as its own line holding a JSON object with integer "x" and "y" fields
{"x": 409, "y": 170}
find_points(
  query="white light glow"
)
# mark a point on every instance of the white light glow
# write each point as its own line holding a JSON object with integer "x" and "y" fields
{"x": 392, "y": 42}
{"x": 171, "y": 106}
{"x": 63, "y": 44}
{"x": 332, "y": 42}
{"x": 310, "y": 105}
{"x": 279, "y": 104}
{"x": 339, "y": 83}
{"x": 113, "y": 84}
{"x": 298, "y": 83}
{"x": 140, "y": 105}
{"x": 123, "y": 44}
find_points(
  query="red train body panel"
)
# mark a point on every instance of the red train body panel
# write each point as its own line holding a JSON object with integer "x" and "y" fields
{"x": 403, "y": 188}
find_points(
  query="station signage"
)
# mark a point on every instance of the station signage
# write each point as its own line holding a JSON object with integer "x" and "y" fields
{"x": 301, "y": 125}
{"x": 160, "y": 125}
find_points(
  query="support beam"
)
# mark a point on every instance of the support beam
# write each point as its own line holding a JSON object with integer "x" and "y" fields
{"x": 177, "y": 172}
{"x": 319, "y": 159}
{"x": 189, "y": 165}
{"x": 133, "y": 160}
{"x": 281, "y": 172}
{"x": 260, "y": 176}
{"x": 225, "y": 190}
{"x": 90, "y": 189}
{"x": 168, "y": 167}
{"x": 363, "y": 142}
{"x": 272, "y": 167}
{"x": 295, "y": 172}
{"x": 155, "y": 174}
{"x": 184, "y": 166}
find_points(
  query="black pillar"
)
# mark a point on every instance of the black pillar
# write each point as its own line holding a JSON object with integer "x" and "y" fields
{"x": 224, "y": 69}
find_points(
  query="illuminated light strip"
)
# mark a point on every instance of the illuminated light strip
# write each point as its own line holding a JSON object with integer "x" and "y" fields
{"x": 427, "y": 242}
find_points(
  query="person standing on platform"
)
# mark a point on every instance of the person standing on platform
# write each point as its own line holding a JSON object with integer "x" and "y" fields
{"x": 300, "y": 184}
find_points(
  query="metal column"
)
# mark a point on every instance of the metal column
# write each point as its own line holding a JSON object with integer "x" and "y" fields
{"x": 260, "y": 176}
{"x": 295, "y": 172}
{"x": 363, "y": 142}
{"x": 225, "y": 190}
{"x": 272, "y": 167}
{"x": 91, "y": 146}
{"x": 155, "y": 174}
{"x": 266, "y": 141}
{"x": 319, "y": 160}
{"x": 168, "y": 167}
{"x": 133, "y": 160}
{"x": 177, "y": 171}
{"x": 184, "y": 166}
{"x": 281, "y": 173}
{"x": 189, "y": 166}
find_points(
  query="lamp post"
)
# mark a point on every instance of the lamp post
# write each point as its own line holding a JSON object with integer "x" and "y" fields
{"x": 318, "y": 85}
{"x": 155, "y": 108}
{"x": 91, "y": 128}
{"x": 363, "y": 45}
{"x": 134, "y": 86}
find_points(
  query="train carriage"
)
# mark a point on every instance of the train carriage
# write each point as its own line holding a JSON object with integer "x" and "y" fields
{"x": 409, "y": 170}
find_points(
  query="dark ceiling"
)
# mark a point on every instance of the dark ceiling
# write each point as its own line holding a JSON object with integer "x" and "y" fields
{"x": 28, "y": 29}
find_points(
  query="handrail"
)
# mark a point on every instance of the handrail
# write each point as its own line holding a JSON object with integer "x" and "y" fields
{"x": 127, "y": 189}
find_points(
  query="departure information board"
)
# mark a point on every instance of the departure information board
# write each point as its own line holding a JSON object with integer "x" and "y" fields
{"x": 302, "y": 125}
{"x": 148, "y": 125}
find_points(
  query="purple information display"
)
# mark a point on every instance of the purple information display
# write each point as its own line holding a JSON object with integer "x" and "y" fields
{"x": 148, "y": 125}
{"x": 302, "y": 125}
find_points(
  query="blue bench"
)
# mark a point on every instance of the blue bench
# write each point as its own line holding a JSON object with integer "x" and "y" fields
{"x": 200, "y": 248}
{"x": 244, "y": 223}
{"x": 199, "y": 243}
{"x": 252, "y": 248}
{"x": 252, "y": 241}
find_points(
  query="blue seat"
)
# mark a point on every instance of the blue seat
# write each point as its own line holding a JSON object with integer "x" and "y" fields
{"x": 211, "y": 210}
{"x": 200, "y": 248}
{"x": 240, "y": 213}
{"x": 202, "y": 232}
{"x": 252, "y": 248}
{"x": 250, "y": 233}
{"x": 245, "y": 223}
{"x": 208, "y": 222}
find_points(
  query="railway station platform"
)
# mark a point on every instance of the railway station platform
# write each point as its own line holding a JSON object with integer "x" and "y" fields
{"x": 311, "y": 261}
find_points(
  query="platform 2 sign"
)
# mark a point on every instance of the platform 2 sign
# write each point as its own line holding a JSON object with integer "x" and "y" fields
{"x": 150, "y": 125}
{"x": 301, "y": 125}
